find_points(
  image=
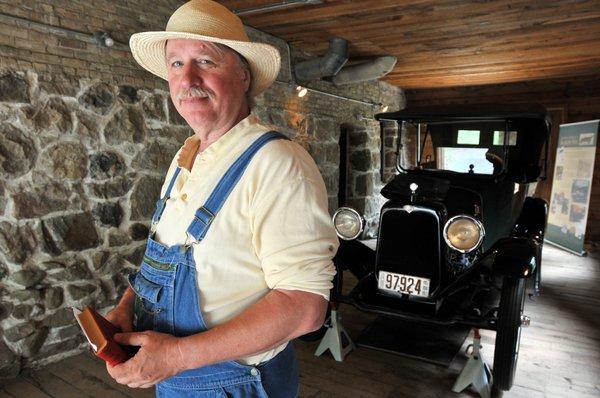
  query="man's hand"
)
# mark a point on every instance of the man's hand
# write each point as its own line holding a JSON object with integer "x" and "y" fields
{"x": 121, "y": 317}
{"x": 158, "y": 358}
{"x": 122, "y": 314}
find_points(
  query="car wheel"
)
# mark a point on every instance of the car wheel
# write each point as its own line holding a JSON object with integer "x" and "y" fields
{"x": 508, "y": 332}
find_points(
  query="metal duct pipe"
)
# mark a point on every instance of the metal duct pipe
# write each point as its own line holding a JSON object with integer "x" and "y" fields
{"x": 370, "y": 70}
{"x": 327, "y": 65}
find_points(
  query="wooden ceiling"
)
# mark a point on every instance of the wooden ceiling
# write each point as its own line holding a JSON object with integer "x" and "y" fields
{"x": 447, "y": 43}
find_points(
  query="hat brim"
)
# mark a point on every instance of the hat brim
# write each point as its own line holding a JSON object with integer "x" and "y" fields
{"x": 148, "y": 49}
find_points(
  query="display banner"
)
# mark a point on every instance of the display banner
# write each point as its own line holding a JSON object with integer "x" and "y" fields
{"x": 572, "y": 185}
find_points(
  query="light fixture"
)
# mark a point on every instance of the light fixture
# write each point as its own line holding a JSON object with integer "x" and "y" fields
{"x": 384, "y": 108}
{"x": 301, "y": 91}
{"x": 103, "y": 39}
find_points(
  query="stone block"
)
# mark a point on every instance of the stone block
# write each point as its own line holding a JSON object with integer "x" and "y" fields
{"x": 25, "y": 294}
{"x": 88, "y": 124}
{"x": 117, "y": 237}
{"x": 98, "y": 98}
{"x": 31, "y": 344}
{"x": 135, "y": 255}
{"x": 360, "y": 160}
{"x": 27, "y": 277}
{"x": 137, "y": 231}
{"x": 54, "y": 84}
{"x": 22, "y": 311}
{"x": 17, "y": 150}
{"x": 78, "y": 292}
{"x": 114, "y": 188}
{"x": 17, "y": 242}
{"x": 106, "y": 164}
{"x": 324, "y": 129}
{"x": 10, "y": 364}
{"x": 128, "y": 94}
{"x": 154, "y": 106}
{"x": 108, "y": 213}
{"x": 70, "y": 271}
{"x": 70, "y": 232}
{"x": 2, "y": 199}
{"x": 37, "y": 201}
{"x": 357, "y": 138}
{"x": 174, "y": 134}
{"x": 62, "y": 317}
{"x": 146, "y": 192}
{"x": 390, "y": 159}
{"x": 156, "y": 156}
{"x": 14, "y": 87}
{"x": 4, "y": 269}
{"x": 69, "y": 343}
{"x": 53, "y": 297}
{"x": 19, "y": 332}
{"x": 53, "y": 117}
{"x": 5, "y": 309}
{"x": 363, "y": 185}
{"x": 127, "y": 125}
{"x": 65, "y": 160}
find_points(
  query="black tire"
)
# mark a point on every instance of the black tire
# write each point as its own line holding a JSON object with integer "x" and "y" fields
{"x": 508, "y": 333}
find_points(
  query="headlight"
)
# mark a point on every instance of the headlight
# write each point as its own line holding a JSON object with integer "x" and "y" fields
{"x": 463, "y": 233}
{"x": 348, "y": 223}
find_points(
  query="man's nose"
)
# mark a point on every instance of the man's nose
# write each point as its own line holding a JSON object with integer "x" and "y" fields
{"x": 190, "y": 75}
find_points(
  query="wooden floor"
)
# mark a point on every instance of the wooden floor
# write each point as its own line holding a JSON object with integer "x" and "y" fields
{"x": 560, "y": 353}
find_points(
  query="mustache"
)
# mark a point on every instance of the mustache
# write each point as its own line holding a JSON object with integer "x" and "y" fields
{"x": 192, "y": 92}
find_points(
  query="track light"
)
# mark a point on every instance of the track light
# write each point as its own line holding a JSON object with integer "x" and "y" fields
{"x": 301, "y": 91}
{"x": 103, "y": 39}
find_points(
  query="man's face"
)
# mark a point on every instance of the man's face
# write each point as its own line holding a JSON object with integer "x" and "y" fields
{"x": 207, "y": 86}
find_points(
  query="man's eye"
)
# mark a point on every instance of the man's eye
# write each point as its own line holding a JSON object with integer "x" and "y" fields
{"x": 176, "y": 64}
{"x": 205, "y": 62}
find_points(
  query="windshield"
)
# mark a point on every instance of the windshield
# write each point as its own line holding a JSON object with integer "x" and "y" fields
{"x": 476, "y": 147}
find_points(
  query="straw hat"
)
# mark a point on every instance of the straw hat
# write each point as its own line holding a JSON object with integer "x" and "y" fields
{"x": 209, "y": 21}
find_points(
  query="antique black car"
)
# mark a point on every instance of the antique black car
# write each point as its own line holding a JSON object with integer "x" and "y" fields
{"x": 459, "y": 240}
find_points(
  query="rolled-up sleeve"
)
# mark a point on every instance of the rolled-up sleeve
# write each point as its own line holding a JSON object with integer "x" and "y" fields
{"x": 294, "y": 238}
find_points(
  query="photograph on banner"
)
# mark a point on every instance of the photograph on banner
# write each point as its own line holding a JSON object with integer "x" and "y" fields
{"x": 572, "y": 183}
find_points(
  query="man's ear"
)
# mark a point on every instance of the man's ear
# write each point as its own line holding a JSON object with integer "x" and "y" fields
{"x": 246, "y": 79}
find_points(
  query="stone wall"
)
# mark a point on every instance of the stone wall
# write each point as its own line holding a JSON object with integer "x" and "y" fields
{"x": 83, "y": 151}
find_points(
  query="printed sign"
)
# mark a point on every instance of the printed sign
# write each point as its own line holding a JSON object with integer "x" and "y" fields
{"x": 572, "y": 185}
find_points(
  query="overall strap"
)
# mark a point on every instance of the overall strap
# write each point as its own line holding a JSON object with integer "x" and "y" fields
{"x": 205, "y": 214}
{"x": 161, "y": 203}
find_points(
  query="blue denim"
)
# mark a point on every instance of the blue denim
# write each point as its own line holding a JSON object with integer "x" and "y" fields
{"x": 167, "y": 301}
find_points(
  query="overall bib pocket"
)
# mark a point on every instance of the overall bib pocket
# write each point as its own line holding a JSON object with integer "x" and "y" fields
{"x": 146, "y": 301}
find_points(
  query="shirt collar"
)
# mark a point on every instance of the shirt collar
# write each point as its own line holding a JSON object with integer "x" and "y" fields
{"x": 189, "y": 150}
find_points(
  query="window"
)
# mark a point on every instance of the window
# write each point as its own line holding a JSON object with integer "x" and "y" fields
{"x": 461, "y": 160}
{"x": 468, "y": 137}
{"x": 499, "y": 137}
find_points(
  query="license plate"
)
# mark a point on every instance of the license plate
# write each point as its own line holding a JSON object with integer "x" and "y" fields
{"x": 404, "y": 284}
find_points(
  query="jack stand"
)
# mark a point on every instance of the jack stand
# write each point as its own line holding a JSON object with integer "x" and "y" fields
{"x": 334, "y": 338}
{"x": 475, "y": 372}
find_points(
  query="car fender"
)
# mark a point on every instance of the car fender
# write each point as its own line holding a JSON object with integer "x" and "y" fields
{"x": 515, "y": 257}
{"x": 355, "y": 257}
{"x": 532, "y": 220}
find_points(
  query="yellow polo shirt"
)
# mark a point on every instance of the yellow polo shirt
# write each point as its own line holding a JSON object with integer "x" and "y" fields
{"x": 273, "y": 232}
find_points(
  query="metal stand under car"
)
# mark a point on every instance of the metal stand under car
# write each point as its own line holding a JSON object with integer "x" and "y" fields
{"x": 475, "y": 372}
{"x": 336, "y": 339}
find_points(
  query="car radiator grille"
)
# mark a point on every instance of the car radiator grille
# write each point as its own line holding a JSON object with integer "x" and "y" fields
{"x": 409, "y": 243}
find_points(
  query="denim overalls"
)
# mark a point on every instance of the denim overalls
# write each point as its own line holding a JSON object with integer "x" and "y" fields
{"x": 167, "y": 301}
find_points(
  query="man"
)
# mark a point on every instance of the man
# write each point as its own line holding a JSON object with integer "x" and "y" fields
{"x": 238, "y": 261}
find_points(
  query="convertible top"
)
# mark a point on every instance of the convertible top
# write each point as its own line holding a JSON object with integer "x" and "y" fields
{"x": 466, "y": 112}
